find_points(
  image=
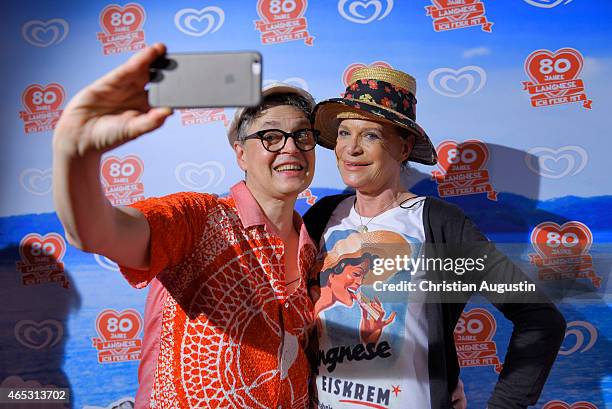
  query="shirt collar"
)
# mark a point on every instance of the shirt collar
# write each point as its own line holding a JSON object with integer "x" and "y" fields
{"x": 250, "y": 213}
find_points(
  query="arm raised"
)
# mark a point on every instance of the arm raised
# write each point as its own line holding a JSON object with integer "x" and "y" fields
{"x": 104, "y": 115}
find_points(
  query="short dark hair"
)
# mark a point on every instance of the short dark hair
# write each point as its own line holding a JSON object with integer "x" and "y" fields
{"x": 294, "y": 100}
{"x": 339, "y": 268}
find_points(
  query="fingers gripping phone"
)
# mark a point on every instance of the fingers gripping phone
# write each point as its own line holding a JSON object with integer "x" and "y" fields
{"x": 206, "y": 80}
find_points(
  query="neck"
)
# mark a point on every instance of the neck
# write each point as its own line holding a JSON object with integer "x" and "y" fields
{"x": 373, "y": 203}
{"x": 279, "y": 211}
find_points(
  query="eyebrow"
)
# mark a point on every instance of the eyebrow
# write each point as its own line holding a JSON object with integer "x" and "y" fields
{"x": 277, "y": 123}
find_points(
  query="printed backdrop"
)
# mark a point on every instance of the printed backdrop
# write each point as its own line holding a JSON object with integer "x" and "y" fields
{"x": 513, "y": 93}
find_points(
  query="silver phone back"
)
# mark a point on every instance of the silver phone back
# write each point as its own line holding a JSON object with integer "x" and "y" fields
{"x": 208, "y": 80}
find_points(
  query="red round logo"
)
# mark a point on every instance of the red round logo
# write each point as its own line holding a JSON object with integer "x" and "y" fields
{"x": 544, "y": 66}
{"x": 37, "y": 98}
{"x": 274, "y": 10}
{"x": 115, "y": 19}
{"x": 476, "y": 325}
{"x": 348, "y": 71}
{"x": 570, "y": 239}
{"x": 471, "y": 155}
{"x": 557, "y": 404}
{"x": 112, "y": 325}
{"x": 127, "y": 170}
{"x": 49, "y": 248}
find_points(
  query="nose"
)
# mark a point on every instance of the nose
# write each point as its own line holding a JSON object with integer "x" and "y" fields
{"x": 290, "y": 146}
{"x": 353, "y": 146}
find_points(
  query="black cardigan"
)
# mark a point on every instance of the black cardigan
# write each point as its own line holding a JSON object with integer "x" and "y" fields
{"x": 539, "y": 328}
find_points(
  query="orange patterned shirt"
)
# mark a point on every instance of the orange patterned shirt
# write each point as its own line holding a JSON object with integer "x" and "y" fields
{"x": 220, "y": 329}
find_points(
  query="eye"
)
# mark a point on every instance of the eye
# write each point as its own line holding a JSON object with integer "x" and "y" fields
{"x": 272, "y": 136}
{"x": 343, "y": 132}
{"x": 372, "y": 136}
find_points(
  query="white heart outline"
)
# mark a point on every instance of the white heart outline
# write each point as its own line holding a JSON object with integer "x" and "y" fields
{"x": 39, "y": 25}
{"x": 27, "y": 341}
{"x": 185, "y": 171}
{"x": 547, "y": 6}
{"x": 556, "y": 155}
{"x": 355, "y": 17}
{"x": 572, "y": 329}
{"x": 114, "y": 404}
{"x": 106, "y": 263}
{"x": 300, "y": 82}
{"x": 29, "y": 176}
{"x": 185, "y": 26}
{"x": 452, "y": 74}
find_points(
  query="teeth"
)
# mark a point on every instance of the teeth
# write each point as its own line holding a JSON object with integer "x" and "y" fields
{"x": 288, "y": 167}
{"x": 351, "y": 290}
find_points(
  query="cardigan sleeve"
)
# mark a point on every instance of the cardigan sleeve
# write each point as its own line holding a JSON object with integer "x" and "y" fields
{"x": 539, "y": 327}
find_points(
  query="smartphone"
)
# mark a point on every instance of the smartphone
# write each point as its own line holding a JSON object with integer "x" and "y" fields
{"x": 206, "y": 80}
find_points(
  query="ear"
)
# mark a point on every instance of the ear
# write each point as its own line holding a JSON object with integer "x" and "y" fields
{"x": 407, "y": 145}
{"x": 240, "y": 151}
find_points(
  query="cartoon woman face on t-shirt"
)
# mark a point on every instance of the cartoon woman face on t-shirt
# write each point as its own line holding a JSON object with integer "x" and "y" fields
{"x": 345, "y": 280}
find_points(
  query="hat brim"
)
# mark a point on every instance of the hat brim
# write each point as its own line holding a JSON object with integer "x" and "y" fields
{"x": 326, "y": 120}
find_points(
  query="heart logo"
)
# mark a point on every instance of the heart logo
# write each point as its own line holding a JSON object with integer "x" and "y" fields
{"x": 112, "y": 325}
{"x": 364, "y": 12}
{"x": 577, "y": 330}
{"x": 115, "y": 19}
{"x": 558, "y": 404}
{"x": 296, "y": 81}
{"x": 348, "y": 71}
{"x": 37, "y": 98}
{"x": 197, "y": 23}
{"x": 200, "y": 176}
{"x": 118, "y": 404}
{"x": 556, "y": 163}
{"x": 106, "y": 263}
{"x": 35, "y": 248}
{"x": 457, "y": 83}
{"x": 471, "y": 155}
{"x": 274, "y": 10}
{"x": 45, "y": 33}
{"x": 121, "y": 171}
{"x": 444, "y": 4}
{"x": 36, "y": 181}
{"x": 570, "y": 239}
{"x": 475, "y": 325}
{"x": 39, "y": 335}
{"x": 543, "y": 66}
{"x": 547, "y": 4}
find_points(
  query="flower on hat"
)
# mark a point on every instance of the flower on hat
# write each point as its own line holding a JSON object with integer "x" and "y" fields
{"x": 366, "y": 98}
{"x": 388, "y": 103}
{"x": 373, "y": 84}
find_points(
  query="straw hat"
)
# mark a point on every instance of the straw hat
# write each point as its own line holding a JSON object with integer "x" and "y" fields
{"x": 377, "y": 94}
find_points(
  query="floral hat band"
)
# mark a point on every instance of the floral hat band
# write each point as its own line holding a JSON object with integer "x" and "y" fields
{"x": 376, "y": 94}
{"x": 377, "y": 86}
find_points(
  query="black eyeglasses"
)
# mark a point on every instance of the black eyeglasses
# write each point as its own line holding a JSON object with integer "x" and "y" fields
{"x": 273, "y": 140}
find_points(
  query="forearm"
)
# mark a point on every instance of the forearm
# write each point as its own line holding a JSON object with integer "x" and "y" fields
{"x": 539, "y": 330}
{"x": 85, "y": 213}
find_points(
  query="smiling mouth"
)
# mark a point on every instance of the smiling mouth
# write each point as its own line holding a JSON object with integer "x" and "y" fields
{"x": 353, "y": 164}
{"x": 291, "y": 167}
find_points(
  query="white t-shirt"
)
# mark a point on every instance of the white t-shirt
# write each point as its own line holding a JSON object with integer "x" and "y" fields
{"x": 365, "y": 359}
